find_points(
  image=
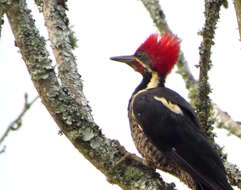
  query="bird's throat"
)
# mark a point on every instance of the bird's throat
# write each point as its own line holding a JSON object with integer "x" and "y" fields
{"x": 154, "y": 81}
{"x": 150, "y": 80}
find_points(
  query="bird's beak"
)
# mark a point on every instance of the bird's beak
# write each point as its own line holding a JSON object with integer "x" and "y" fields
{"x": 129, "y": 59}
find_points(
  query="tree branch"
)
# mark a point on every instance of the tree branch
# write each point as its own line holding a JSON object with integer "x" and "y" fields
{"x": 237, "y": 6}
{"x": 1, "y": 20}
{"x": 69, "y": 114}
{"x": 156, "y": 13}
{"x": 204, "y": 106}
{"x": 17, "y": 123}
{"x": 203, "y": 102}
{"x": 3, "y": 149}
{"x": 225, "y": 121}
{"x": 62, "y": 42}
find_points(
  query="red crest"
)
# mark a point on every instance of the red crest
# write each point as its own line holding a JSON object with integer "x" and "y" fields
{"x": 163, "y": 52}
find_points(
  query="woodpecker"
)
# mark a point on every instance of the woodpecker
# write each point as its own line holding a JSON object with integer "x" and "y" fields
{"x": 163, "y": 124}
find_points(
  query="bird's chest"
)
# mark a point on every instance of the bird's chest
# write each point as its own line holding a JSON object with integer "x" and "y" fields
{"x": 143, "y": 144}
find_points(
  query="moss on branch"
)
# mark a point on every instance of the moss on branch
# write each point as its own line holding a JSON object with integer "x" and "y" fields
{"x": 70, "y": 115}
{"x": 63, "y": 42}
{"x": 203, "y": 103}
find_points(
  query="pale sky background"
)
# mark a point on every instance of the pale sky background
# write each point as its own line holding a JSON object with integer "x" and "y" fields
{"x": 37, "y": 157}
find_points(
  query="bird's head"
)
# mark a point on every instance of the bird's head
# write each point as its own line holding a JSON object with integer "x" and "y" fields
{"x": 155, "y": 55}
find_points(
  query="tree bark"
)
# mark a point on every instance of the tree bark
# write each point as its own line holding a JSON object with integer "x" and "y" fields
{"x": 63, "y": 95}
{"x": 70, "y": 112}
{"x": 237, "y": 6}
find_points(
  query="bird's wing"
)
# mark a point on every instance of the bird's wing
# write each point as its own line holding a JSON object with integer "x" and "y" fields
{"x": 162, "y": 112}
{"x": 171, "y": 124}
{"x": 175, "y": 98}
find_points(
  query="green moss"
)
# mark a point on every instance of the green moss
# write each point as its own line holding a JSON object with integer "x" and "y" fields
{"x": 73, "y": 40}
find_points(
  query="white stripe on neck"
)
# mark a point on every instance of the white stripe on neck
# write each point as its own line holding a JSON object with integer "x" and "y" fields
{"x": 154, "y": 82}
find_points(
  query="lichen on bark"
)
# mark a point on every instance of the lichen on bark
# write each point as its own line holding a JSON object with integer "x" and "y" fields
{"x": 70, "y": 114}
{"x": 60, "y": 98}
{"x": 203, "y": 103}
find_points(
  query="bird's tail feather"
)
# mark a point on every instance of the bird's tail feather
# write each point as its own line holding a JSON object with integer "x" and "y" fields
{"x": 203, "y": 183}
{"x": 199, "y": 186}
{"x": 203, "y": 186}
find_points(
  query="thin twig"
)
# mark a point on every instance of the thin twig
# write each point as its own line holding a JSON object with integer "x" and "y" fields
{"x": 17, "y": 123}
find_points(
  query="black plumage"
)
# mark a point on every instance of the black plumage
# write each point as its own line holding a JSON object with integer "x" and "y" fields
{"x": 179, "y": 136}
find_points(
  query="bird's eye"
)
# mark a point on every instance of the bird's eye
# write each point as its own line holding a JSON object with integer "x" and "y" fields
{"x": 144, "y": 58}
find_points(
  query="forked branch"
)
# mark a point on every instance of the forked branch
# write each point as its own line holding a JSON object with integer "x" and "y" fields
{"x": 70, "y": 114}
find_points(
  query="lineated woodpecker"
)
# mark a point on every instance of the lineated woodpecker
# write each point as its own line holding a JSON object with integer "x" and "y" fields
{"x": 163, "y": 124}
